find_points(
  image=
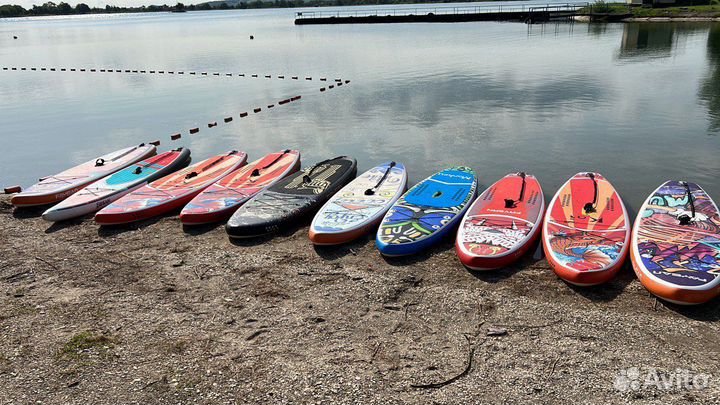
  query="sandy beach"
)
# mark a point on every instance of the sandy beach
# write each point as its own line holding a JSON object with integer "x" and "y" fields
{"x": 153, "y": 313}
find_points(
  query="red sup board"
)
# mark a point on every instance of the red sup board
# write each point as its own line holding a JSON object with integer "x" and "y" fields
{"x": 586, "y": 230}
{"x": 170, "y": 192}
{"x": 502, "y": 224}
{"x": 220, "y": 200}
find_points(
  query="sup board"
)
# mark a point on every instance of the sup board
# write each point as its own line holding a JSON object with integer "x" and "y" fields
{"x": 427, "y": 212}
{"x": 170, "y": 192}
{"x": 502, "y": 223}
{"x": 110, "y": 188}
{"x": 676, "y": 244}
{"x": 52, "y": 189}
{"x": 222, "y": 198}
{"x": 586, "y": 230}
{"x": 359, "y": 206}
{"x": 291, "y": 200}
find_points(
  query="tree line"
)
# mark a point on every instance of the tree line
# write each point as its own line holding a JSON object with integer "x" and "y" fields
{"x": 62, "y": 8}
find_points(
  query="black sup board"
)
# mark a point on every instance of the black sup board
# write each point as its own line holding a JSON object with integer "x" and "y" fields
{"x": 291, "y": 200}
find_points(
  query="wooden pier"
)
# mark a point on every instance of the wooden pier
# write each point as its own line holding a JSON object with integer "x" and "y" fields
{"x": 525, "y": 12}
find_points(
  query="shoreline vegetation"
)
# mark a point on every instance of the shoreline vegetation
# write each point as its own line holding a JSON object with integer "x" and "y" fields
{"x": 62, "y": 8}
{"x": 704, "y": 12}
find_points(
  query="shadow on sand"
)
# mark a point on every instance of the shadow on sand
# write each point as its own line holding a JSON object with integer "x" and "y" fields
{"x": 334, "y": 252}
{"x": 708, "y": 312}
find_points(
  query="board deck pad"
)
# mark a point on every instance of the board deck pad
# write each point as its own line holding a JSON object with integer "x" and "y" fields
{"x": 56, "y": 188}
{"x": 493, "y": 228}
{"x": 426, "y": 210}
{"x": 114, "y": 186}
{"x": 224, "y": 196}
{"x": 586, "y": 241}
{"x": 291, "y": 199}
{"x": 170, "y": 191}
{"x": 679, "y": 255}
{"x": 352, "y": 208}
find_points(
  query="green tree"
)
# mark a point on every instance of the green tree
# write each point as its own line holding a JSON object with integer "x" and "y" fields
{"x": 82, "y": 8}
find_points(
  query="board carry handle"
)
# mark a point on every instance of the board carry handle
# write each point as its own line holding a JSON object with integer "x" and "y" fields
{"x": 510, "y": 203}
{"x": 590, "y": 207}
{"x": 685, "y": 218}
{"x": 256, "y": 171}
{"x": 306, "y": 177}
{"x": 372, "y": 191}
{"x": 99, "y": 162}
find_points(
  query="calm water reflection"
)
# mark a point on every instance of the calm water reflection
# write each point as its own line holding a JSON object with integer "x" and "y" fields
{"x": 637, "y": 102}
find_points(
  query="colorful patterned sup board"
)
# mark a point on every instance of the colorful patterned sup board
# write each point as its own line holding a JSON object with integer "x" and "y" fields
{"x": 502, "y": 223}
{"x": 114, "y": 186}
{"x": 170, "y": 192}
{"x": 676, "y": 244}
{"x": 427, "y": 212}
{"x": 586, "y": 230}
{"x": 359, "y": 206}
{"x": 291, "y": 200}
{"x": 52, "y": 189}
{"x": 220, "y": 200}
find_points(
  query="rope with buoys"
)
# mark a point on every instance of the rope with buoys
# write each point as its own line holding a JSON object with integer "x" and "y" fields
{"x": 159, "y": 72}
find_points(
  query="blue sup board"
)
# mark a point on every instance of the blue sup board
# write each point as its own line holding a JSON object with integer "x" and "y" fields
{"x": 427, "y": 212}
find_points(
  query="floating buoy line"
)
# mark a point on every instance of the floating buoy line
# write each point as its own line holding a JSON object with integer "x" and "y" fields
{"x": 212, "y": 124}
{"x": 170, "y": 72}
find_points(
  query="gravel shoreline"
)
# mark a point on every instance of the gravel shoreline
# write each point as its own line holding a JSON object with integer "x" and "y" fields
{"x": 154, "y": 313}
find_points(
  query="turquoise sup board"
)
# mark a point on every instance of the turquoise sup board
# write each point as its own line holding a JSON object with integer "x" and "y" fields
{"x": 427, "y": 212}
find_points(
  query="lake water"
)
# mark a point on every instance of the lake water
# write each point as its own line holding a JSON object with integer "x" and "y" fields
{"x": 639, "y": 103}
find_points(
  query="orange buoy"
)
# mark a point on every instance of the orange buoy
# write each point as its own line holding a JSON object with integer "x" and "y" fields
{"x": 13, "y": 189}
{"x": 228, "y": 119}
{"x": 177, "y": 136}
{"x": 194, "y": 130}
{"x": 156, "y": 143}
{"x": 243, "y": 114}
